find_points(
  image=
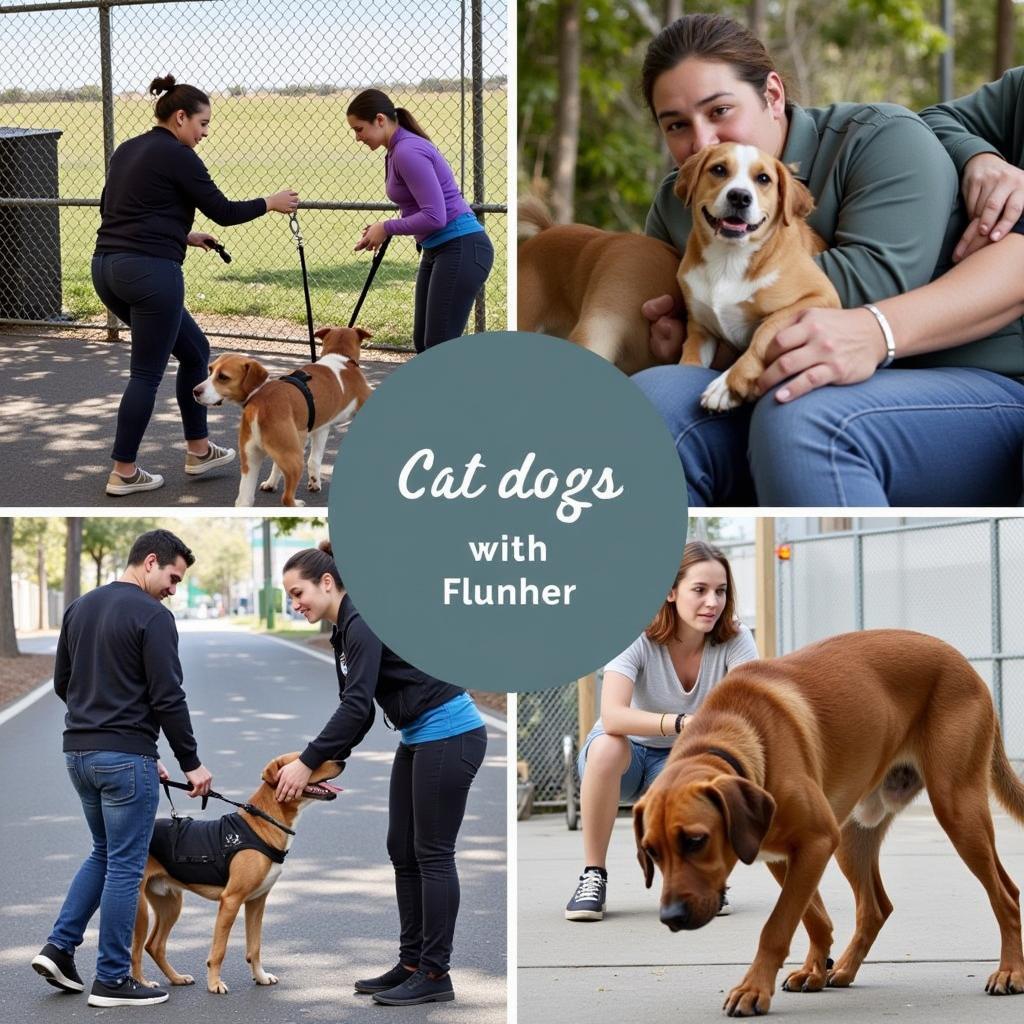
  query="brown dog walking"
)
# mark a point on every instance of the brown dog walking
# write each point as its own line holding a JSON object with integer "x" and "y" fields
{"x": 793, "y": 759}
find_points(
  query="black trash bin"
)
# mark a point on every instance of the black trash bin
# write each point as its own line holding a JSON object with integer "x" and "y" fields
{"x": 30, "y": 278}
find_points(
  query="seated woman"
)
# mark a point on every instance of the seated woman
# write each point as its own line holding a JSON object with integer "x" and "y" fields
{"x": 886, "y": 206}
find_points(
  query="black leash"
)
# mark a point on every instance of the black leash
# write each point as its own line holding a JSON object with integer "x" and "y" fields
{"x": 255, "y": 811}
{"x": 378, "y": 256}
{"x": 293, "y": 223}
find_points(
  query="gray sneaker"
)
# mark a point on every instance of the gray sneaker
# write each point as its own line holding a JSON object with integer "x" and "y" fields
{"x": 118, "y": 485}
{"x": 587, "y": 903}
{"x": 196, "y": 465}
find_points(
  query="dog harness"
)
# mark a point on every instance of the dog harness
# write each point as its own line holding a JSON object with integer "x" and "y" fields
{"x": 200, "y": 852}
{"x": 301, "y": 379}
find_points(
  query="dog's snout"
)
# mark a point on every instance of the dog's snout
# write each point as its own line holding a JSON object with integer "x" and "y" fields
{"x": 676, "y": 915}
{"x": 739, "y": 197}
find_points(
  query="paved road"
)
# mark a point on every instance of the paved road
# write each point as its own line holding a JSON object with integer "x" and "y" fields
{"x": 330, "y": 919}
{"x": 58, "y": 408}
{"x": 930, "y": 961}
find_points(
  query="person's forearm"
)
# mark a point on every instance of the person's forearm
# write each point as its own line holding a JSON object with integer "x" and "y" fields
{"x": 634, "y": 722}
{"x": 975, "y": 298}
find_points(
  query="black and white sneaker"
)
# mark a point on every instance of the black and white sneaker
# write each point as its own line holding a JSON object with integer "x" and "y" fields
{"x": 127, "y": 992}
{"x": 58, "y": 968}
{"x": 587, "y": 903}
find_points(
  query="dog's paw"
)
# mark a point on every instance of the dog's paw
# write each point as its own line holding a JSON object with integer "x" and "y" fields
{"x": 1005, "y": 982}
{"x": 182, "y": 979}
{"x": 840, "y": 977}
{"x": 718, "y": 398}
{"x": 747, "y": 1000}
{"x": 263, "y": 978}
{"x": 148, "y": 984}
{"x": 314, "y": 483}
{"x": 268, "y": 485}
{"x": 804, "y": 981}
{"x": 218, "y": 988}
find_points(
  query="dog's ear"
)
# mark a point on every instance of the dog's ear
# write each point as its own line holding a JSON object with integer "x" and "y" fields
{"x": 794, "y": 196}
{"x": 253, "y": 375}
{"x": 748, "y": 811}
{"x": 646, "y": 864}
{"x": 686, "y": 180}
{"x": 322, "y": 333}
{"x": 363, "y": 333}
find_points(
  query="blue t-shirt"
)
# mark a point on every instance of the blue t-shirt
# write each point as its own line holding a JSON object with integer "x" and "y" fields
{"x": 452, "y": 718}
{"x": 464, "y": 224}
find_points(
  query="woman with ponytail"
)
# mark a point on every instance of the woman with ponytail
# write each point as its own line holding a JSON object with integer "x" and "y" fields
{"x": 442, "y": 747}
{"x": 456, "y": 255}
{"x": 155, "y": 183}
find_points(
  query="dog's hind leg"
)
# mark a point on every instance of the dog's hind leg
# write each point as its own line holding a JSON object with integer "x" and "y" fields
{"x": 139, "y": 936}
{"x": 317, "y": 444}
{"x": 253, "y": 933}
{"x": 291, "y": 469}
{"x": 167, "y": 908}
{"x": 810, "y": 977}
{"x": 857, "y": 857}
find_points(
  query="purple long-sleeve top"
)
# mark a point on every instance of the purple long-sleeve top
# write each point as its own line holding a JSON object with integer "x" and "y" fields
{"x": 420, "y": 181}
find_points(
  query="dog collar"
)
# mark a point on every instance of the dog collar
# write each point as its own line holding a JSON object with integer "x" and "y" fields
{"x": 725, "y": 756}
{"x": 299, "y": 379}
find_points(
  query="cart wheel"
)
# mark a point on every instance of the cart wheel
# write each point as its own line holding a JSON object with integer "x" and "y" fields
{"x": 571, "y": 807}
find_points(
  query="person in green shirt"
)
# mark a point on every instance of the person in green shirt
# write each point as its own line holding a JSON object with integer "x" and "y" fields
{"x": 886, "y": 195}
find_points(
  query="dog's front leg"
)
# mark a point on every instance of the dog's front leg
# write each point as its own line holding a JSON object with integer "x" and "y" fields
{"x": 753, "y": 995}
{"x": 699, "y": 347}
{"x": 251, "y": 459}
{"x": 813, "y": 976}
{"x": 253, "y": 933}
{"x": 317, "y": 444}
{"x": 230, "y": 903}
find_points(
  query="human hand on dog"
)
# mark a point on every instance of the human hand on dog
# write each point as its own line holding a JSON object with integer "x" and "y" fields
{"x": 667, "y": 328}
{"x": 372, "y": 238}
{"x": 822, "y": 346}
{"x": 292, "y": 780}
{"x": 201, "y": 240}
{"x": 201, "y": 780}
{"x": 993, "y": 192}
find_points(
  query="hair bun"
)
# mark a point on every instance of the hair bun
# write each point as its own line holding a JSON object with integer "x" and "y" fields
{"x": 325, "y": 547}
{"x": 159, "y": 85}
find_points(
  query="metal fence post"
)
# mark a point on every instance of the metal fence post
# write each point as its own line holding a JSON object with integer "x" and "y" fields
{"x": 996, "y": 616}
{"x": 107, "y": 89}
{"x": 478, "y": 134}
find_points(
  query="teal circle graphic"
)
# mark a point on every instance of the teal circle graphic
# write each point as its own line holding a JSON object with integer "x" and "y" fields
{"x": 507, "y": 511}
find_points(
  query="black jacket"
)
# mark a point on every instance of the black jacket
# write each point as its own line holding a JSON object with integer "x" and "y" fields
{"x": 117, "y": 669}
{"x": 154, "y": 186}
{"x": 368, "y": 671}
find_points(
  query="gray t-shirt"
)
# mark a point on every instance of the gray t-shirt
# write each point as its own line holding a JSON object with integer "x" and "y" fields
{"x": 656, "y": 686}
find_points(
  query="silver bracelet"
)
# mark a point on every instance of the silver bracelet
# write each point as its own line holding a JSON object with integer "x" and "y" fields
{"x": 890, "y": 341}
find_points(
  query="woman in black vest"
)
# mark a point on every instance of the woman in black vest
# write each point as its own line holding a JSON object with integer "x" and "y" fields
{"x": 443, "y": 745}
{"x": 155, "y": 183}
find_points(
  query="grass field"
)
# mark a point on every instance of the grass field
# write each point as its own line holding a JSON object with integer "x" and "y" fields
{"x": 258, "y": 144}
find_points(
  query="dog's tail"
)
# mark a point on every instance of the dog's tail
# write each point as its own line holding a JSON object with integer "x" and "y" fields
{"x": 534, "y": 217}
{"x": 1009, "y": 788}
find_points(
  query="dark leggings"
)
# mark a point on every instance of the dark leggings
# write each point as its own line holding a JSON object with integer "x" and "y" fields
{"x": 148, "y": 294}
{"x": 429, "y": 786}
{"x": 450, "y": 276}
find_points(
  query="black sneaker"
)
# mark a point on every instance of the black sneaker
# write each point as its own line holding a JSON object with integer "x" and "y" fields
{"x": 587, "y": 903}
{"x": 127, "y": 992}
{"x": 389, "y": 979}
{"x": 58, "y": 968}
{"x": 419, "y": 987}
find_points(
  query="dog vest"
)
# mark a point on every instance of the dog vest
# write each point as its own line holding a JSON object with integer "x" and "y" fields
{"x": 300, "y": 379}
{"x": 200, "y": 852}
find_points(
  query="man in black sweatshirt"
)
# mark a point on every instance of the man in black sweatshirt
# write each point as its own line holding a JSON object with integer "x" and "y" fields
{"x": 118, "y": 671}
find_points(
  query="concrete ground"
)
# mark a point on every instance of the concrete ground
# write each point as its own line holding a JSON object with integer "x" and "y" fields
{"x": 330, "y": 919}
{"x": 930, "y": 962}
{"x": 58, "y": 409}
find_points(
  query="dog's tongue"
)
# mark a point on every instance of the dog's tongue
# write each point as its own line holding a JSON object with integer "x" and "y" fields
{"x": 327, "y": 785}
{"x": 734, "y": 223}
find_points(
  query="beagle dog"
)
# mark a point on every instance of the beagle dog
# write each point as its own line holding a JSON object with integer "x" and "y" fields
{"x": 748, "y": 270}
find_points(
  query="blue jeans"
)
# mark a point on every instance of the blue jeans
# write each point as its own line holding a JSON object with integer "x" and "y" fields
{"x": 450, "y": 276}
{"x": 148, "y": 294}
{"x": 119, "y": 794}
{"x": 645, "y": 764}
{"x": 944, "y": 436}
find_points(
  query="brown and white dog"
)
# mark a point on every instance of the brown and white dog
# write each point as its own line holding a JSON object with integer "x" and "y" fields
{"x": 251, "y": 876}
{"x": 793, "y": 759}
{"x": 747, "y": 271}
{"x": 588, "y": 285}
{"x": 275, "y": 414}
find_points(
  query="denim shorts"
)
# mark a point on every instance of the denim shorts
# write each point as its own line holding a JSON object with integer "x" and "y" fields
{"x": 645, "y": 764}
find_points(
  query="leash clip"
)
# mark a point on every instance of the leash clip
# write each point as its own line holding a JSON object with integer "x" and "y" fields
{"x": 293, "y": 223}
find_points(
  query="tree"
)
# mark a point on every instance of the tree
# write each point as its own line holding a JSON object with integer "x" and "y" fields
{"x": 73, "y": 561}
{"x": 1005, "y": 23}
{"x": 105, "y": 539}
{"x": 567, "y": 121}
{"x": 223, "y": 555}
{"x": 38, "y": 544}
{"x": 8, "y": 638}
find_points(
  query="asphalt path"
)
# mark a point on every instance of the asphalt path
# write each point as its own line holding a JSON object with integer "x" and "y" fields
{"x": 330, "y": 919}
{"x": 58, "y": 410}
{"x": 929, "y": 963}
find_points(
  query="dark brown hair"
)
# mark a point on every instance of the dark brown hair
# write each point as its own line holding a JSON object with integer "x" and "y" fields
{"x": 176, "y": 97}
{"x": 663, "y": 627}
{"x": 711, "y": 37}
{"x": 167, "y": 547}
{"x": 312, "y": 563}
{"x": 371, "y": 102}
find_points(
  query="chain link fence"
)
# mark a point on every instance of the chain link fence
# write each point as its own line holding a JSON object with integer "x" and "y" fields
{"x": 280, "y": 74}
